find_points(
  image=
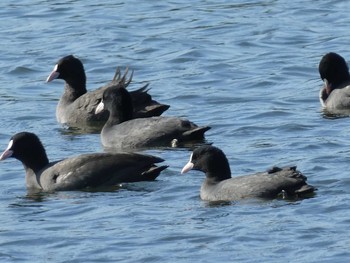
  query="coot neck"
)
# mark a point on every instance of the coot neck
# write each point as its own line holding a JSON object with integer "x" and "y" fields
{"x": 35, "y": 162}
{"x": 119, "y": 115}
{"x": 219, "y": 175}
{"x": 341, "y": 84}
{"x": 74, "y": 89}
{"x": 120, "y": 108}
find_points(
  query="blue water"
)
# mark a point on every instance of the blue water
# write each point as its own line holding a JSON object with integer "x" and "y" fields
{"x": 246, "y": 68}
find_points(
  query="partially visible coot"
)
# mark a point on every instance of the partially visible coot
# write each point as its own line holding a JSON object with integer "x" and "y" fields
{"x": 220, "y": 186}
{"x": 76, "y": 107}
{"x": 123, "y": 132}
{"x": 335, "y": 94}
{"x": 84, "y": 171}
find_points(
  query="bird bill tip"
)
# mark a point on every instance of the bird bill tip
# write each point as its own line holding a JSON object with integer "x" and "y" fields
{"x": 187, "y": 167}
{"x": 53, "y": 75}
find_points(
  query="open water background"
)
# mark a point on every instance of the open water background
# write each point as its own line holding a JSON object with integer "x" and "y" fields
{"x": 246, "y": 68}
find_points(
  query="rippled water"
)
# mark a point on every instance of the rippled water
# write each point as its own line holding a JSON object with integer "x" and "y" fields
{"x": 246, "y": 68}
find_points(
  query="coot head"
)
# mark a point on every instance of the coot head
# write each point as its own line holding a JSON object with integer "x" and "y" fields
{"x": 210, "y": 160}
{"x": 333, "y": 69}
{"x": 27, "y": 148}
{"x": 117, "y": 100}
{"x": 70, "y": 69}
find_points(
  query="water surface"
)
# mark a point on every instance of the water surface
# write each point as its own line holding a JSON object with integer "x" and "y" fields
{"x": 246, "y": 68}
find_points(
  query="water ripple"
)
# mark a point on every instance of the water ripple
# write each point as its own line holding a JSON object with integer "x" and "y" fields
{"x": 248, "y": 69}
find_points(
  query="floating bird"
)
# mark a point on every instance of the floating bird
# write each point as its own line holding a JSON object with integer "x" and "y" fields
{"x": 76, "y": 107}
{"x": 335, "y": 94}
{"x": 220, "y": 186}
{"x": 84, "y": 171}
{"x": 123, "y": 132}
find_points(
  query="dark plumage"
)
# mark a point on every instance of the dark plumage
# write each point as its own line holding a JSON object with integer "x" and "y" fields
{"x": 220, "y": 186}
{"x": 76, "y": 107}
{"x": 335, "y": 94}
{"x": 87, "y": 170}
{"x": 122, "y": 132}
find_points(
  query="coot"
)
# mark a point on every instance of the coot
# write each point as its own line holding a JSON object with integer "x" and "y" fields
{"x": 335, "y": 94}
{"x": 123, "y": 132}
{"x": 220, "y": 186}
{"x": 84, "y": 171}
{"x": 76, "y": 107}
